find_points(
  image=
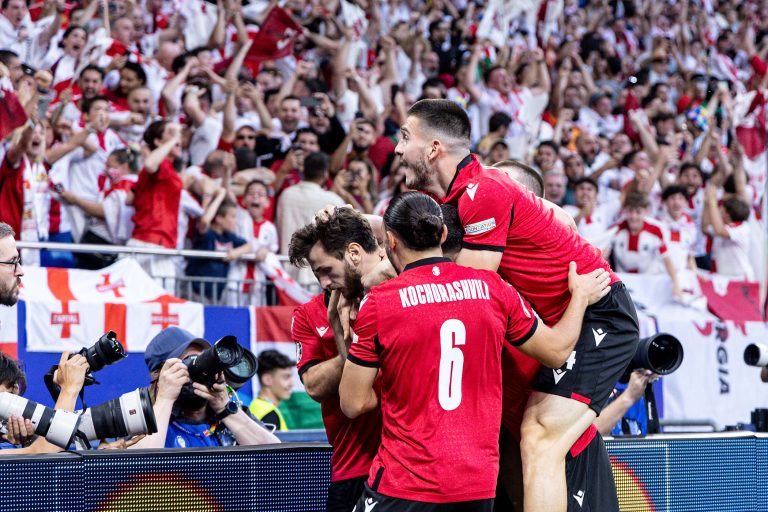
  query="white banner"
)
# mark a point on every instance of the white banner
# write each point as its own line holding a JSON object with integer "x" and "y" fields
{"x": 714, "y": 382}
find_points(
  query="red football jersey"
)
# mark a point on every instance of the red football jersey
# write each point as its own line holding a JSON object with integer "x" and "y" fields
{"x": 436, "y": 332}
{"x": 157, "y": 202}
{"x": 499, "y": 214}
{"x": 355, "y": 442}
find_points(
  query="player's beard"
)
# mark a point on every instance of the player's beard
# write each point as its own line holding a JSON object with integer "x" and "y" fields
{"x": 418, "y": 177}
{"x": 9, "y": 295}
{"x": 353, "y": 283}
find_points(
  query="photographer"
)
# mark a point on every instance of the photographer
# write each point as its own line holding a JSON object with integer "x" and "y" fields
{"x": 625, "y": 413}
{"x": 20, "y": 432}
{"x": 193, "y": 415}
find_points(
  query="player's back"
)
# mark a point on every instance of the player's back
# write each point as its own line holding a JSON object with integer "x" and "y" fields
{"x": 499, "y": 214}
{"x": 440, "y": 332}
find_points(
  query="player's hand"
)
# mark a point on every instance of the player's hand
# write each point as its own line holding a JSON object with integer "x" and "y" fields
{"x": 328, "y": 213}
{"x": 173, "y": 376}
{"x": 20, "y": 431}
{"x": 334, "y": 318}
{"x": 592, "y": 286}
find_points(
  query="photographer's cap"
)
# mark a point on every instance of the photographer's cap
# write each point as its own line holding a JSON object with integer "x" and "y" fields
{"x": 170, "y": 343}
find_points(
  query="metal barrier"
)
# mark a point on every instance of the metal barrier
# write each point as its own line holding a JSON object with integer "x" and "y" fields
{"x": 226, "y": 292}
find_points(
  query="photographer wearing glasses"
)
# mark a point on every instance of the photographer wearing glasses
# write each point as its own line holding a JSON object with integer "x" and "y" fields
{"x": 193, "y": 414}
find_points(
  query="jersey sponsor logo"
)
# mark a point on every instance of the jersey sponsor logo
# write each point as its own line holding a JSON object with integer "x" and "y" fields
{"x": 471, "y": 189}
{"x": 599, "y": 335}
{"x": 430, "y": 293}
{"x": 579, "y": 497}
{"x": 480, "y": 227}
{"x": 370, "y": 503}
{"x": 321, "y": 331}
{"x": 298, "y": 351}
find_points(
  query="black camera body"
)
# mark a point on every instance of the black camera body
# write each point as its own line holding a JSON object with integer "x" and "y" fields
{"x": 662, "y": 354}
{"x": 107, "y": 350}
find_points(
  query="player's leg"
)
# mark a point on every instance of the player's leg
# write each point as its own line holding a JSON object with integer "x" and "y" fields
{"x": 372, "y": 501}
{"x": 591, "y": 487}
{"x": 551, "y": 425}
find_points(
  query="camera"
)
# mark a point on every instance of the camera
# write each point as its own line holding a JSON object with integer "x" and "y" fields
{"x": 756, "y": 354}
{"x": 127, "y": 415}
{"x": 662, "y": 354}
{"x": 107, "y": 350}
{"x": 239, "y": 374}
{"x": 224, "y": 354}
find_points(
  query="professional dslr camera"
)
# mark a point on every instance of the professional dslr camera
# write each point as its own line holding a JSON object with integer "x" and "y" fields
{"x": 226, "y": 355}
{"x": 662, "y": 354}
{"x": 756, "y": 354}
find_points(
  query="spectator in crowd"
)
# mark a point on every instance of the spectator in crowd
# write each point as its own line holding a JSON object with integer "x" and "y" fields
{"x": 731, "y": 235}
{"x": 216, "y": 232}
{"x": 191, "y": 414}
{"x": 680, "y": 228}
{"x": 356, "y": 184}
{"x": 554, "y": 186}
{"x": 639, "y": 245}
{"x": 275, "y": 385}
{"x": 498, "y": 126}
{"x": 298, "y": 204}
{"x": 592, "y": 220}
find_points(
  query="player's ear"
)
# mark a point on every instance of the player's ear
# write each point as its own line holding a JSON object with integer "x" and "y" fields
{"x": 434, "y": 149}
{"x": 354, "y": 253}
{"x": 391, "y": 241}
{"x": 444, "y": 236}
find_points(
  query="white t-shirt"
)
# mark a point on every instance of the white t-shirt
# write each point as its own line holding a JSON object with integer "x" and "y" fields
{"x": 641, "y": 253}
{"x": 730, "y": 256}
{"x": 680, "y": 237}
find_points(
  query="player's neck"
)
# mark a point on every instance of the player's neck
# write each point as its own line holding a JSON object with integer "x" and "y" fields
{"x": 407, "y": 257}
{"x": 446, "y": 171}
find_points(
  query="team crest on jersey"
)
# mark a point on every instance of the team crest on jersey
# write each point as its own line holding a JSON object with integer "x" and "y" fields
{"x": 480, "y": 227}
{"x": 435, "y": 271}
{"x": 298, "y": 351}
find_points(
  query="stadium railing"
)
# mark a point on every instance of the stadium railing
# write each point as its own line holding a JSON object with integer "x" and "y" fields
{"x": 258, "y": 292}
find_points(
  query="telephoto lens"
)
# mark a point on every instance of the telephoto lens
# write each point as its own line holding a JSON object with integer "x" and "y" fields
{"x": 224, "y": 354}
{"x": 239, "y": 374}
{"x": 662, "y": 354}
{"x": 107, "y": 350}
{"x": 56, "y": 426}
{"x": 756, "y": 354}
{"x": 128, "y": 415}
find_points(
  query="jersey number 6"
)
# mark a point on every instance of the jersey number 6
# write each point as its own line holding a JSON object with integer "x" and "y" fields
{"x": 452, "y": 335}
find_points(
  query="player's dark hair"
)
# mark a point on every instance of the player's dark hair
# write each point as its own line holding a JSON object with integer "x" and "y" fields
{"x": 526, "y": 175}
{"x": 452, "y": 243}
{"x": 270, "y": 360}
{"x": 445, "y": 118}
{"x": 737, "y": 209}
{"x": 672, "y": 190}
{"x": 416, "y": 220}
{"x": 316, "y": 166}
{"x": 636, "y": 200}
{"x": 346, "y": 226}
{"x": 88, "y": 103}
{"x": 11, "y": 373}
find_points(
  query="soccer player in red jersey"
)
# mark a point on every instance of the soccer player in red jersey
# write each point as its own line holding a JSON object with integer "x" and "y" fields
{"x": 338, "y": 250}
{"x": 507, "y": 229}
{"x": 435, "y": 332}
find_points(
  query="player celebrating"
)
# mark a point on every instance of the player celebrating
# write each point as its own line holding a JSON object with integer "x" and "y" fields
{"x": 509, "y": 230}
{"x": 436, "y": 333}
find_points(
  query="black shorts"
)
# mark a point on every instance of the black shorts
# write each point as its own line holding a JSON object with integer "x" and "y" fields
{"x": 343, "y": 495}
{"x": 606, "y": 345}
{"x": 591, "y": 487}
{"x": 372, "y": 501}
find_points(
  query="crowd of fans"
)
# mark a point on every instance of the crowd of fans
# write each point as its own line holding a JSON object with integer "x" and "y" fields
{"x": 646, "y": 120}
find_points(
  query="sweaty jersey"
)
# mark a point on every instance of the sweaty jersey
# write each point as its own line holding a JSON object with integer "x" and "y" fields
{"x": 436, "y": 332}
{"x": 356, "y": 441}
{"x": 499, "y": 214}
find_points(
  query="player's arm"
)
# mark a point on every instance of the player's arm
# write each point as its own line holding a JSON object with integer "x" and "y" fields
{"x": 552, "y": 346}
{"x": 356, "y": 389}
{"x": 485, "y": 214}
{"x": 320, "y": 378}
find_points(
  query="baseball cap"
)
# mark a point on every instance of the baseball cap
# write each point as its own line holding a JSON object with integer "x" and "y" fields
{"x": 170, "y": 343}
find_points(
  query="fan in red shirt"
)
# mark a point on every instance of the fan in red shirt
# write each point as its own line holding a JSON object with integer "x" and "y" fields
{"x": 435, "y": 332}
{"x": 509, "y": 230}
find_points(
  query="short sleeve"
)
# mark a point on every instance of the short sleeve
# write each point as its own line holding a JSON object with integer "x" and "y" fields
{"x": 521, "y": 319}
{"x": 485, "y": 211}
{"x": 308, "y": 348}
{"x": 364, "y": 351}
{"x": 738, "y": 234}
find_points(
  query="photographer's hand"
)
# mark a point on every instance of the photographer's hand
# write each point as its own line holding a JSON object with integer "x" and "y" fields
{"x": 173, "y": 376}
{"x": 20, "y": 431}
{"x": 70, "y": 377}
{"x": 216, "y": 395}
